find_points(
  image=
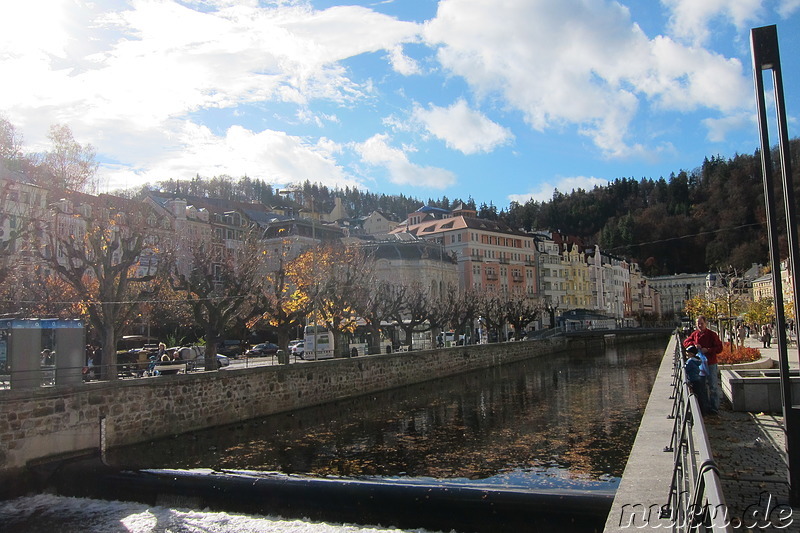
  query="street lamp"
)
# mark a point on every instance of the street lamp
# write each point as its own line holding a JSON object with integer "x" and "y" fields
{"x": 766, "y": 56}
{"x": 313, "y": 270}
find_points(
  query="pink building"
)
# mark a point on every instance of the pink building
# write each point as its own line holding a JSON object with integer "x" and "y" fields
{"x": 490, "y": 255}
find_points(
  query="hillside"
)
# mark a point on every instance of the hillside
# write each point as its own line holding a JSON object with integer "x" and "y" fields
{"x": 694, "y": 221}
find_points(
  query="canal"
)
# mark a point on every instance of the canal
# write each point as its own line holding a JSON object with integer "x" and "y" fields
{"x": 565, "y": 421}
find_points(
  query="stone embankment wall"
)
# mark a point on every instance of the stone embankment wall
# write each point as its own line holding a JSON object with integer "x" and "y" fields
{"x": 48, "y": 422}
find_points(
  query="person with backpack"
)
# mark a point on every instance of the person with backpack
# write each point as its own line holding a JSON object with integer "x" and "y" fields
{"x": 696, "y": 371}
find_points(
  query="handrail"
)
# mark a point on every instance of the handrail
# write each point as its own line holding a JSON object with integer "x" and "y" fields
{"x": 46, "y": 376}
{"x": 696, "y": 501}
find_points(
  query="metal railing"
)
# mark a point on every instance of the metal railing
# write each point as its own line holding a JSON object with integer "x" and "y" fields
{"x": 50, "y": 376}
{"x": 696, "y": 501}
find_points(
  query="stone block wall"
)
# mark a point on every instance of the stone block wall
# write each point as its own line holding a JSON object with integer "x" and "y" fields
{"x": 49, "y": 422}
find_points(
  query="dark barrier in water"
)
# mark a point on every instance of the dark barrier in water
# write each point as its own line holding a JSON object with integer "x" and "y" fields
{"x": 434, "y": 506}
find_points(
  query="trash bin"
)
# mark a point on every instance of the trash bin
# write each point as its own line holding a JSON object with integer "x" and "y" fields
{"x": 283, "y": 357}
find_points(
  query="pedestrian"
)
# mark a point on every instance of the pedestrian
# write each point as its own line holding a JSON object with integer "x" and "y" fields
{"x": 741, "y": 333}
{"x": 709, "y": 344}
{"x": 696, "y": 370}
{"x": 98, "y": 362}
{"x": 766, "y": 335}
{"x": 154, "y": 358}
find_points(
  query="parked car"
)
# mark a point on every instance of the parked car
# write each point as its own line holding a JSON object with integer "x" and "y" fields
{"x": 298, "y": 349}
{"x": 196, "y": 354}
{"x": 265, "y": 348}
{"x": 230, "y": 348}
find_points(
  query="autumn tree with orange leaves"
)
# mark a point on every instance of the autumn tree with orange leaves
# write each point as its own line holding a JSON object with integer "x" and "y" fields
{"x": 343, "y": 274}
{"x": 286, "y": 293}
{"x": 28, "y": 292}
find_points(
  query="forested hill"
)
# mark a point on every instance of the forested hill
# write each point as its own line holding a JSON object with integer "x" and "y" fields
{"x": 712, "y": 217}
{"x": 700, "y": 220}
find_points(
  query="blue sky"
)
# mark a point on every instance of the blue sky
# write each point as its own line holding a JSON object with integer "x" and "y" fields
{"x": 500, "y": 100}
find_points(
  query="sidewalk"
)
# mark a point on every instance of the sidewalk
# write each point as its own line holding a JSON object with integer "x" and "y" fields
{"x": 750, "y": 451}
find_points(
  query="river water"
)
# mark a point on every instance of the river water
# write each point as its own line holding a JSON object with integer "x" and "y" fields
{"x": 565, "y": 421}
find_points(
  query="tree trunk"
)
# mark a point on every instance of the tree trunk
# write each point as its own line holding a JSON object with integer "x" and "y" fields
{"x": 210, "y": 362}
{"x": 374, "y": 339}
{"x": 109, "y": 357}
{"x": 409, "y": 339}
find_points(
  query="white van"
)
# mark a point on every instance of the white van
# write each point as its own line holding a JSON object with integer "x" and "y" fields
{"x": 318, "y": 344}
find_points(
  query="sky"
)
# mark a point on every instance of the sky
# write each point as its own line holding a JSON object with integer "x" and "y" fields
{"x": 501, "y": 100}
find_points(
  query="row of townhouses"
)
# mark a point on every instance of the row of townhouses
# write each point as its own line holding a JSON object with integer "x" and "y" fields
{"x": 437, "y": 248}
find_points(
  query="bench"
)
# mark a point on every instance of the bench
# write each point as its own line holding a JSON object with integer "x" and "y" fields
{"x": 171, "y": 367}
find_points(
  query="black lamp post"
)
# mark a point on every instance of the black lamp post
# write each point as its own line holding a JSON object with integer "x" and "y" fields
{"x": 764, "y": 45}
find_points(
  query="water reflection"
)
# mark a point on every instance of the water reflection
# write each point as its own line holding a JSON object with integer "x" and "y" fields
{"x": 566, "y": 420}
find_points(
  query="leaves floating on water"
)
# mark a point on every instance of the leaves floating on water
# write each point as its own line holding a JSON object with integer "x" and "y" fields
{"x": 515, "y": 426}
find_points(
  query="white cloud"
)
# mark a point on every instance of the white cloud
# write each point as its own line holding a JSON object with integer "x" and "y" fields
{"x": 272, "y": 156}
{"x": 376, "y": 151}
{"x": 685, "y": 79}
{"x": 719, "y": 128}
{"x": 786, "y": 8}
{"x": 462, "y": 128}
{"x": 544, "y": 190}
{"x": 402, "y": 63}
{"x": 691, "y": 20}
{"x": 130, "y": 80}
{"x": 579, "y": 63}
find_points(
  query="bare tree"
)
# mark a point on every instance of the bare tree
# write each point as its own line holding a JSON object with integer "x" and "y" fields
{"x": 71, "y": 164}
{"x": 412, "y": 310}
{"x": 375, "y": 304}
{"x": 492, "y": 309}
{"x": 10, "y": 146}
{"x": 95, "y": 249}
{"x": 221, "y": 287}
{"x": 462, "y": 309}
{"x": 520, "y": 310}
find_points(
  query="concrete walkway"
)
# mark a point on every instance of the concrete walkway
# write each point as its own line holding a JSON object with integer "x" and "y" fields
{"x": 645, "y": 483}
{"x": 748, "y": 448}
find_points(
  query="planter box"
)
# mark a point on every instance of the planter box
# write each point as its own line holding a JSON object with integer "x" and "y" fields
{"x": 764, "y": 362}
{"x": 757, "y": 391}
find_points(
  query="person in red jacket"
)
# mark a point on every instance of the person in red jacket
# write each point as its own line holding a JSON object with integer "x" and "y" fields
{"x": 709, "y": 343}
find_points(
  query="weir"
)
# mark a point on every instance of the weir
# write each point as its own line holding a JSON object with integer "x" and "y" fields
{"x": 435, "y": 507}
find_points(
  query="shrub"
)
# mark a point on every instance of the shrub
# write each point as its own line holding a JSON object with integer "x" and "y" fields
{"x": 741, "y": 354}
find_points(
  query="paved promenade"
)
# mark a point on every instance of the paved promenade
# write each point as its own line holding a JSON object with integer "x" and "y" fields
{"x": 749, "y": 449}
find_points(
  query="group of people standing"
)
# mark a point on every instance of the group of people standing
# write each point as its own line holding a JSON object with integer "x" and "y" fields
{"x": 703, "y": 346}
